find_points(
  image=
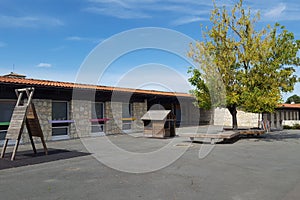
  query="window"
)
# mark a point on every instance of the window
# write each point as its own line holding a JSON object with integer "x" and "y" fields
{"x": 59, "y": 110}
{"x": 126, "y": 110}
{"x": 6, "y": 110}
{"x": 126, "y": 116}
{"x": 98, "y": 121}
{"x": 59, "y": 115}
{"x": 97, "y": 110}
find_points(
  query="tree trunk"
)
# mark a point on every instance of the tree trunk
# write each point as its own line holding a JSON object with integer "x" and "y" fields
{"x": 233, "y": 112}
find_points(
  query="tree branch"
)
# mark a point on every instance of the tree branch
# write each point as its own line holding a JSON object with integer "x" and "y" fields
{"x": 235, "y": 30}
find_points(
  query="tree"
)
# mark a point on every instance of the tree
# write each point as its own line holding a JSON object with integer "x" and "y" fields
{"x": 254, "y": 66}
{"x": 294, "y": 98}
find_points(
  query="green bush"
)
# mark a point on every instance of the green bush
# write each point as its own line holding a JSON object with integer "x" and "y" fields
{"x": 295, "y": 126}
{"x": 287, "y": 127}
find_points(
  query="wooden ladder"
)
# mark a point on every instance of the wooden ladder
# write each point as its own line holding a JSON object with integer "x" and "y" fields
{"x": 23, "y": 114}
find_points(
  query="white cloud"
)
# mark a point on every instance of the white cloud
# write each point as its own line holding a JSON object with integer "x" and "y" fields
{"x": 74, "y": 38}
{"x": 28, "y": 21}
{"x": 277, "y": 11}
{"x": 116, "y": 2}
{"x": 87, "y": 39}
{"x": 118, "y": 12}
{"x": 179, "y": 12}
{"x": 282, "y": 12}
{"x": 134, "y": 9}
{"x": 44, "y": 65}
{"x": 187, "y": 20}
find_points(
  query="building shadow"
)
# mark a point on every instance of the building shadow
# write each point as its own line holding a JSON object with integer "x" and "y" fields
{"x": 224, "y": 141}
{"x": 24, "y": 158}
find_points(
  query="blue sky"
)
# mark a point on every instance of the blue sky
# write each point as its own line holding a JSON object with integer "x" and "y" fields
{"x": 49, "y": 39}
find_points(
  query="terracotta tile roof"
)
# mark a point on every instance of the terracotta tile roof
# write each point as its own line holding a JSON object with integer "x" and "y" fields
{"x": 58, "y": 84}
{"x": 287, "y": 105}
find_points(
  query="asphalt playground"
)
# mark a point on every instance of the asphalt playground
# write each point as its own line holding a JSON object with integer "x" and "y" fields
{"x": 266, "y": 168}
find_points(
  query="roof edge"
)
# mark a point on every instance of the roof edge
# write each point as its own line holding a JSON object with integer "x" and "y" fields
{"x": 61, "y": 84}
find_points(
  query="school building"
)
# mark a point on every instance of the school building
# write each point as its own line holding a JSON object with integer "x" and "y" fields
{"x": 69, "y": 110}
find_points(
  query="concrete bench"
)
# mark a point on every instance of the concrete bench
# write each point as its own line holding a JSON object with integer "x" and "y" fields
{"x": 214, "y": 138}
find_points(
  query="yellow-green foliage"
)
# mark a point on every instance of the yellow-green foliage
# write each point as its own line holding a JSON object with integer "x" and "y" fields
{"x": 252, "y": 66}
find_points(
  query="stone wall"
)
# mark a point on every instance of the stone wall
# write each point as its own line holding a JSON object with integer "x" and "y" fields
{"x": 80, "y": 112}
{"x": 113, "y": 111}
{"x": 245, "y": 119}
{"x": 139, "y": 109}
{"x": 290, "y": 122}
{"x": 44, "y": 111}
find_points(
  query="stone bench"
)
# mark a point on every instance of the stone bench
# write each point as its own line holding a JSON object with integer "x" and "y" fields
{"x": 214, "y": 138}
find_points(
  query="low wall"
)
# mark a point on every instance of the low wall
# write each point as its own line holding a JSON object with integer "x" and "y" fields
{"x": 290, "y": 122}
{"x": 245, "y": 119}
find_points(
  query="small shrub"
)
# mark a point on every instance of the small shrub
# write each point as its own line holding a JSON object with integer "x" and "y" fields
{"x": 296, "y": 126}
{"x": 287, "y": 127}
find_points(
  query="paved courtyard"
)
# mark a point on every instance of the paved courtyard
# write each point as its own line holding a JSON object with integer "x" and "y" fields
{"x": 266, "y": 168}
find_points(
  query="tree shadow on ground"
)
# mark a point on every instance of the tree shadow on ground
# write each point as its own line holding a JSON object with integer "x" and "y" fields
{"x": 274, "y": 136}
{"x": 267, "y": 137}
{"x": 281, "y": 136}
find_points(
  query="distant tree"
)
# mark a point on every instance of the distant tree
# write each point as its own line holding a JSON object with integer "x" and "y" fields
{"x": 253, "y": 66}
{"x": 294, "y": 98}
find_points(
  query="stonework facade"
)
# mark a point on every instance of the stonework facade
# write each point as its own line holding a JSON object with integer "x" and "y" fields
{"x": 80, "y": 115}
{"x": 113, "y": 111}
{"x": 80, "y": 112}
{"x": 139, "y": 109}
{"x": 44, "y": 109}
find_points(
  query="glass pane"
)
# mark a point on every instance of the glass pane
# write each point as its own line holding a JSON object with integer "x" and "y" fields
{"x": 126, "y": 110}
{"x": 2, "y": 134}
{"x": 59, "y": 111}
{"x": 6, "y": 110}
{"x": 59, "y": 131}
{"x": 97, "y": 111}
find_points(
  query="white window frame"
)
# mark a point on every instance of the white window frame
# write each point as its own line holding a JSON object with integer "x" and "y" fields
{"x": 60, "y": 137}
{"x": 100, "y": 133}
{"x": 127, "y": 123}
